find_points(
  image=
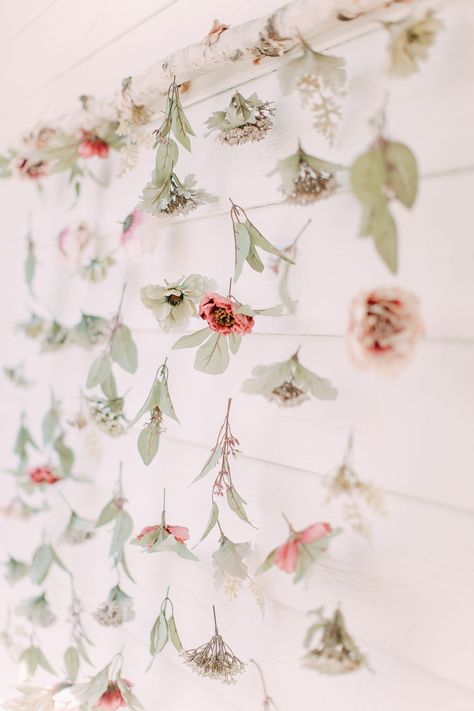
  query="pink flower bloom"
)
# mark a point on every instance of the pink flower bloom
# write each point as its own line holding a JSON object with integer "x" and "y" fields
{"x": 112, "y": 699}
{"x": 43, "y": 475}
{"x": 384, "y": 327}
{"x": 181, "y": 533}
{"x": 91, "y": 145}
{"x": 286, "y": 556}
{"x": 31, "y": 169}
{"x": 144, "y": 531}
{"x": 219, "y": 312}
{"x": 129, "y": 226}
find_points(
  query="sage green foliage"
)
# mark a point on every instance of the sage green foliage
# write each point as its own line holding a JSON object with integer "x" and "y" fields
{"x": 114, "y": 512}
{"x": 164, "y": 630}
{"x": 387, "y": 171}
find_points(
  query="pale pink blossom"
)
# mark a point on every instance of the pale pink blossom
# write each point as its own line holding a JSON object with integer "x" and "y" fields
{"x": 220, "y": 314}
{"x": 181, "y": 533}
{"x": 286, "y": 556}
{"x": 112, "y": 699}
{"x": 384, "y": 327}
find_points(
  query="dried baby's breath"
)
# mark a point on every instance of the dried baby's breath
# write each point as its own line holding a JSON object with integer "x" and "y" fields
{"x": 336, "y": 652}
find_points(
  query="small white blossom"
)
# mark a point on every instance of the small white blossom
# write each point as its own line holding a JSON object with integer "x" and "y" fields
{"x": 175, "y": 302}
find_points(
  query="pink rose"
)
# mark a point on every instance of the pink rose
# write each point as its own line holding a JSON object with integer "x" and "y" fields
{"x": 219, "y": 312}
{"x": 144, "y": 531}
{"x": 91, "y": 145}
{"x": 43, "y": 475}
{"x": 181, "y": 533}
{"x": 112, "y": 699}
{"x": 286, "y": 556}
{"x": 384, "y": 326}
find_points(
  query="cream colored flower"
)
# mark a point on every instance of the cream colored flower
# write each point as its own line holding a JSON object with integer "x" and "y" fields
{"x": 410, "y": 43}
{"x": 175, "y": 302}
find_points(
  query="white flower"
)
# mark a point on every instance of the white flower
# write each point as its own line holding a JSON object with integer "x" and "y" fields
{"x": 35, "y": 698}
{"x": 288, "y": 383}
{"x": 410, "y": 44}
{"x": 228, "y": 561}
{"x": 117, "y": 609}
{"x": 172, "y": 197}
{"x": 174, "y": 303}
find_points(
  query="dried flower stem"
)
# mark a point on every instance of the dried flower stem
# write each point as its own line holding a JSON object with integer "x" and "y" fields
{"x": 267, "y": 700}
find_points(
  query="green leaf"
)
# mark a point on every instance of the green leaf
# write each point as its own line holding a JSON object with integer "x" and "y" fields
{"x": 109, "y": 387}
{"x": 163, "y": 399}
{"x": 180, "y": 126}
{"x": 234, "y": 342}
{"x": 49, "y": 425}
{"x": 165, "y": 160}
{"x": 30, "y": 658}
{"x": 213, "y": 356}
{"x": 213, "y": 518}
{"x": 122, "y": 532}
{"x": 43, "y": 662}
{"x": 97, "y": 686}
{"x": 242, "y": 246}
{"x": 128, "y": 695}
{"x": 30, "y": 265}
{"x": 258, "y": 240}
{"x": 82, "y": 651}
{"x": 236, "y": 504}
{"x": 283, "y": 289}
{"x": 71, "y": 662}
{"x": 123, "y": 562}
{"x": 108, "y": 514}
{"x": 193, "y": 340}
{"x": 123, "y": 349}
{"x": 173, "y": 634}
{"x": 369, "y": 175}
{"x": 254, "y": 260}
{"x": 210, "y": 463}
{"x": 148, "y": 441}
{"x": 267, "y": 563}
{"x": 41, "y": 563}
{"x": 99, "y": 370}
{"x": 66, "y": 455}
{"x": 381, "y": 226}
{"x": 158, "y": 634}
{"x": 402, "y": 172}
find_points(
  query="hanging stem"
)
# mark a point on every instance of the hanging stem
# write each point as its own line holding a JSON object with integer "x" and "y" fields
{"x": 215, "y": 619}
{"x": 230, "y": 288}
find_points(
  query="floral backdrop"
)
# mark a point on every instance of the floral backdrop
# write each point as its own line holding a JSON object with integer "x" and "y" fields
{"x": 222, "y": 378}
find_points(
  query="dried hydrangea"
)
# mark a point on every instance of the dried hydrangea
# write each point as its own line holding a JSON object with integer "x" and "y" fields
{"x": 410, "y": 43}
{"x": 117, "y": 609}
{"x": 78, "y": 529}
{"x": 214, "y": 659}
{"x": 243, "y": 121}
{"x": 37, "y": 611}
{"x": 346, "y": 483}
{"x": 288, "y": 383}
{"x": 107, "y": 415}
{"x": 384, "y": 328}
{"x": 336, "y": 652}
{"x": 173, "y": 303}
{"x": 305, "y": 178}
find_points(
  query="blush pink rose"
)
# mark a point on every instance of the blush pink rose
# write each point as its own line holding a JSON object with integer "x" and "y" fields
{"x": 384, "y": 327}
{"x": 91, "y": 145}
{"x": 144, "y": 531}
{"x": 219, "y": 312}
{"x": 181, "y": 533}
{"x": 112, "y": 699}
{"x": 43, "y": 475}
{"x": 286, "y": 556}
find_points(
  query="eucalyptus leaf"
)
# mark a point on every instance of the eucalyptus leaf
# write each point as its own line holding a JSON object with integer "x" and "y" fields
{"x": 49, "y": 424}
{"x": 43, "y": 662}
{"x": 108, "y": 514}
{"x": 254, "y": 260}
{"x": 283, "y": 289}
{"x": 165, "y": 160}
{"x": 41, "y": 563}
{"x": 242, "y": 246}
{"x": 123, "y": 349}
{"x": 213, "y": 356}
{"x": 71, "y": 662}
{"x": 109, "y": 387}
{"x": 66, "y": 455}
{"x": 99, "y": 370}
{"x": 258, "y": 240}
{"x": 193, "y": 340}
{"x": 213, "y": 519}
{"x": 402, "y": 172}
{"x": 173, "y": 634}
{"x": 159, "y": 634}
{"x": 369, "y": 175}
{"x": 148, "y": 441}
{"x": 267, "y": 563}
{"x": 236, "y": 504}
{"x": 30, "y": 265}
{"x": 211, "y": 462}
{"x": 163, "y": 399}
{"x": 234, "y": 342}
{"x": 122, "y": 532}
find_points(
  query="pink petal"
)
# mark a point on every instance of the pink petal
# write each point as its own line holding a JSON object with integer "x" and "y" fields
{"x": 286, "y": 556}
{"x": 315, "y": 532}
{"x": 181, "y": 533}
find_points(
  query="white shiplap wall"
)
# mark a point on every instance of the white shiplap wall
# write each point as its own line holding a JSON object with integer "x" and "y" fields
{"x": 407, "y": 596}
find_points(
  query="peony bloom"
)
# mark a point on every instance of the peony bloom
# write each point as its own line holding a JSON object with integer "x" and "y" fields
{"x": 91, "y": 145}
{"x": 221, "y": 315}
{"x": 112, "y": 699}
{"x": 384, "y": 326}
{"x": 286, "y": 556}
{"x": 175, "y": 302}
{"x": 43, "y": 475}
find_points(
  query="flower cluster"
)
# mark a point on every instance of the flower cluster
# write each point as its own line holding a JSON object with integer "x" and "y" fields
{"x": 384, "y": 327}
{"x": 117, "y": 609}
{"x": 336, "y": 652}
{"x": 305, "y": 178}
{"x": 243, "y": 121}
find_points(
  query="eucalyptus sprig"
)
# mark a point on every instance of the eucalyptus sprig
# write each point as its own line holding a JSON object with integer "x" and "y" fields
{"x": 164, "y": 630}
{"x": 54, "y": 437}
{"x": 43, "y": 559}
{"x": 386, "y": 171}
{"x": 225, "y": 448}
{"x": 283, "y": 267}
{"x": 121, "y": 349}
{"x": 246, "y": 240}
{"x": 157, "y": 404}
{"x": 114, "y": 512}
{"x": 76, "y": 651}
{"x": 33, "y": 657}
